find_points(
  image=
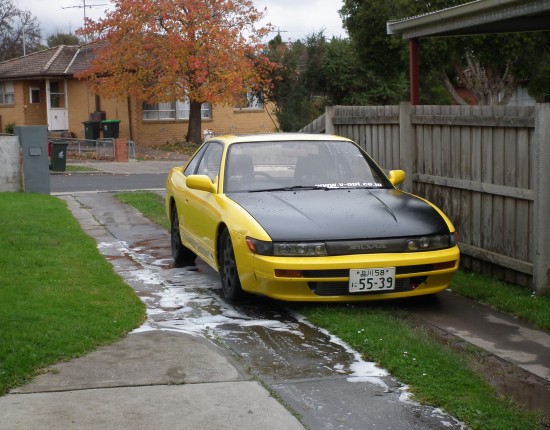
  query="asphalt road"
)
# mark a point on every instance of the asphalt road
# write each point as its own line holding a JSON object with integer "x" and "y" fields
{"x": 79, "y": 182}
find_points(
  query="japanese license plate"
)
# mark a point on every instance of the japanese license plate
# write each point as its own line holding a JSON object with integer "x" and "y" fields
{"x": 375, "y": 279}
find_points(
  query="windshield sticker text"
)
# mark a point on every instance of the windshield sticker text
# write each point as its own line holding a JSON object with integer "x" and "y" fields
{"x": 351, "y": 185}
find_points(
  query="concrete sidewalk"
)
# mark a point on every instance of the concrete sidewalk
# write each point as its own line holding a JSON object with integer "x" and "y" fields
{"x": 152, "y": 379}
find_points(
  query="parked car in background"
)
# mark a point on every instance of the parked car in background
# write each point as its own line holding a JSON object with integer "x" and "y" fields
{"x": 306, "y": 218}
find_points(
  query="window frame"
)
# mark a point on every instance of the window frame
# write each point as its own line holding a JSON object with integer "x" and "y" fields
{"x": 211, "y": 161}
{"x": 58, "y": 94}
{"x": 252, "y": 101}
{"x": 179, "y": 109}
{"x": 6, "y": 97}
{"x": 35, "y": 90}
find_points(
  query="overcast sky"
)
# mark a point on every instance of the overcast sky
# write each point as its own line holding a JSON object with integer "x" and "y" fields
{"x": 294, "y": 18}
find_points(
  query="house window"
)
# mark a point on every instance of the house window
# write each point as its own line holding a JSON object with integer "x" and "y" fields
{"x": 6, "y": 93}
{"x": 159, "y": 111}
{"x": 172, "y": 111}
{"x": 34, "y": 95}
{"x": 57, "y": 94}
{"x": 250, "y": 100}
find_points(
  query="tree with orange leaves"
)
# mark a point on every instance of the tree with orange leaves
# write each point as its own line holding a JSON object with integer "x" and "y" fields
{"x": 165, "y": 50}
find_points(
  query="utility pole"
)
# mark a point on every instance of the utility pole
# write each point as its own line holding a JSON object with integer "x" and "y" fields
{"x": 24, "y": 43}
{"x": 23, "y": 17}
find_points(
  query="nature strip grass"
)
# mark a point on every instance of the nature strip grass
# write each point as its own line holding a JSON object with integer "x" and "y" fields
{"x": 435, "y": 373}
{"x": 151, "y": 205}
{"x": 512, "y": 299}
{"x": 75, "y": 168}
{"x": 59, "y": 297}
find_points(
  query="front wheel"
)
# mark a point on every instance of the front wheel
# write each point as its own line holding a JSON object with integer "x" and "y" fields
{"x": 231, "y": 284}
{"x": 180, "y": 253}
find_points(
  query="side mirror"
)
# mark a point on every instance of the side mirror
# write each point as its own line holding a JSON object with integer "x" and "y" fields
{"x": 396, "y": 177}
{"x": 200, "y": 182}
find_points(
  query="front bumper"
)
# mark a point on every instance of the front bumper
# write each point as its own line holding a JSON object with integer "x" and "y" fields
{"x": 326, "y": 279}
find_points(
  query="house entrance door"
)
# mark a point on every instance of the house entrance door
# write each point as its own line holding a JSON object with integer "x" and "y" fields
{"x": 57, "y": 105}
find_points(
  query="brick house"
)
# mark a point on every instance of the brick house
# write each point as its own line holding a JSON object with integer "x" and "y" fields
{"x": 40, "y": 89}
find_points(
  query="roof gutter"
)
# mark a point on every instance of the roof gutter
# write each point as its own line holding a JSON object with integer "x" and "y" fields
{"x": 470, "y": 14}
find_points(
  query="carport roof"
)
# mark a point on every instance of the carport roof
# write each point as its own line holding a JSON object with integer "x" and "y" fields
{"x": 477, "y": 17}
{"x": 61, "y": 61}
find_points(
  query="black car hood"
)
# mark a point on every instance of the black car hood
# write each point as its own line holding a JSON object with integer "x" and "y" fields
{"x": 341, "y": 214}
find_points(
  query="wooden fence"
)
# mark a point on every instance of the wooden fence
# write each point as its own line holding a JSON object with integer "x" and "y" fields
{"x": 486, "y": 167}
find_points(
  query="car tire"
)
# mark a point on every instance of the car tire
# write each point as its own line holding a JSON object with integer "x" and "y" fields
{"x": 231, "y": 284}
{"x": 180, "y": 253}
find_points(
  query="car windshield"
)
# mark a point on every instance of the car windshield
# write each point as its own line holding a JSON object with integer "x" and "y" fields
{"x": 299, "y": 165}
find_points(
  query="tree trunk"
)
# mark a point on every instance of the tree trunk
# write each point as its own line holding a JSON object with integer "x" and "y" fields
{"x": 194, "y": 133}
{"x": 449, "y": 86}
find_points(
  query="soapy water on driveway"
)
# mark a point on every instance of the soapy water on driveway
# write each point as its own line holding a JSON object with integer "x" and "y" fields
{"x": 179, "y": 299}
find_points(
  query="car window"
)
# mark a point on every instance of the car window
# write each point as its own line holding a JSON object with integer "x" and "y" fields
{"x": 328, "y": 164}
{"x": 210, "y": 162}
{"x": 192, "y": 165}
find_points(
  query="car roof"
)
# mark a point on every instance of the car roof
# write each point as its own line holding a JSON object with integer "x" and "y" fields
{"x": 277, "y": 137}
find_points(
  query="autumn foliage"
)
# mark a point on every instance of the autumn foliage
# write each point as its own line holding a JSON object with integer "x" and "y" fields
{"x": 164, "y": 50}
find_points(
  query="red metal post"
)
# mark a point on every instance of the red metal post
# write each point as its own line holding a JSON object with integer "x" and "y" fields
{"x": 414, "y": 64}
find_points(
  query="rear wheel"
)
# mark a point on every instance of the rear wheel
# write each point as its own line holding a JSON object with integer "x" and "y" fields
{"x": 231, "y": 285}
{"x": 180, "y": 253}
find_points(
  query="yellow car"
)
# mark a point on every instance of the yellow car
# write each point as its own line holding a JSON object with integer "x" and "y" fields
{"x": 306, "y": 218}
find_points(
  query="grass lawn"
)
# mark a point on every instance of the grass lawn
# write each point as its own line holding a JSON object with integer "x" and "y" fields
{"x": 436, "y": 374}
{"x": 151, "y": 205}
{"x": 59, "y": 297}
{"x": 509, "y": 298}
{"x": 77, "y": 168}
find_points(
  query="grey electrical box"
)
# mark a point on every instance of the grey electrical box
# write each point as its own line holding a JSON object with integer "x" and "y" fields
{"x": 33, "y": 140}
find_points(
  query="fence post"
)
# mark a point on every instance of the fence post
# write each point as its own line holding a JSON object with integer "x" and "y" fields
{"x": 121, "y": 149}
{"x": 541, "y": 233}
{"x": 329, "y": 117}
{"x": 406, "y": 145}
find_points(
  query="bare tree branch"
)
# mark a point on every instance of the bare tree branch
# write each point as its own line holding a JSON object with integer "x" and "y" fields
{"x": 452, "y": 91}
{"x": 488, "y": 85}
{"x": 18, "y": 28}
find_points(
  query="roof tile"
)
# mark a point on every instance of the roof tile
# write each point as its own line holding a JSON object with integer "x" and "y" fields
{"x": 62, "y": 60}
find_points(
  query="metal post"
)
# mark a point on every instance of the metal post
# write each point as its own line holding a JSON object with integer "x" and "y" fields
{"x": 329, "y": 117}
{"x": 414, "y": 64}
{"x": 407, "y": 151}
{"x": 541, "y": 236}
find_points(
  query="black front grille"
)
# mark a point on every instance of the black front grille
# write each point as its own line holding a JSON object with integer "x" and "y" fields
{"x": 342, "y": 288}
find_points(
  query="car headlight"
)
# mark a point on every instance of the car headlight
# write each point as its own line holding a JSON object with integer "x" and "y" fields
{"x": 371, "y": 246}
{"x": 430, "y": 243}
{"x": 287, "y": 249}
